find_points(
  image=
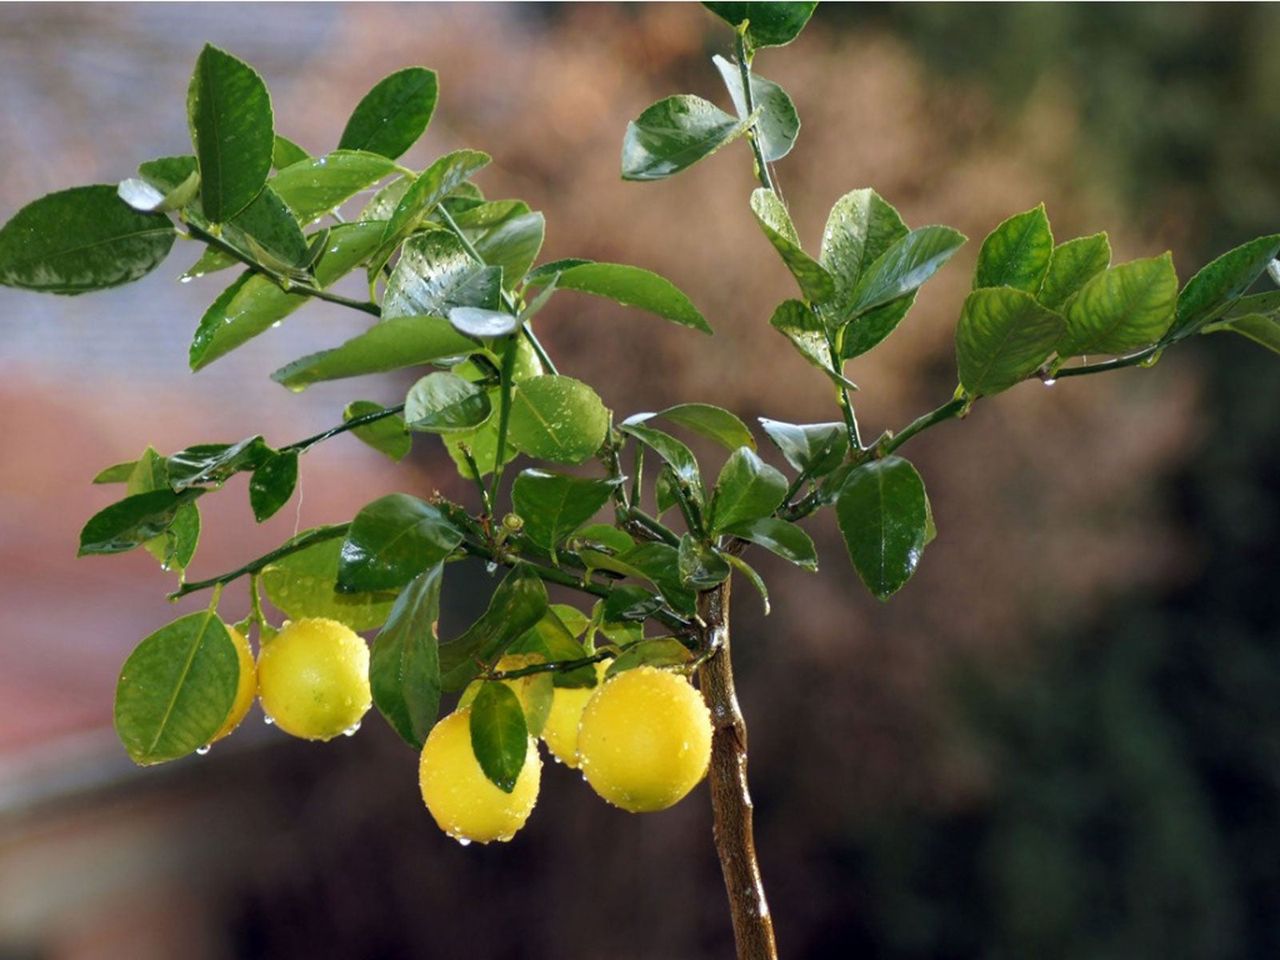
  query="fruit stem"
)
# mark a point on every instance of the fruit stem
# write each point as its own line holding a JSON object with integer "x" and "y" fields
{"x": 730, "y": 797}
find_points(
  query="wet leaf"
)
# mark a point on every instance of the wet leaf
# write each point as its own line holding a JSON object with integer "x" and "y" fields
{"x": 391, "y": 541}
{"x": 629, "y": 286}
{"x": 389, "y": 435}
{"x": 404, "y": 664}
{"x": 815, "y": 282}
{"x": 1016, "y": 253}
{"x": 1003, "y": 336}
{"x": 442, "y": 402}
{"x": 272, "y": 484}
{"x": 883, "y": 515}
{"x": 1122, "y": 309}
{"x": 304, "y": 584}
{"x": 772, "y": 24}
{"x": 674, "y": 134}
{"x": 558, "y": 419}
{"x": 499, "y": 734}
{"x": 778, "y": 124}
{"x": 1073, "y": 264}
{"x": 747, "y": 489}
{"x": 394, "y": 114}
{"x": 554, "y": 505}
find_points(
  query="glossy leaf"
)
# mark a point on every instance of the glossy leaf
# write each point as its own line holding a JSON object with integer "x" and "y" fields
{"x": 778, "y": 124}
{"x": 1016, "y": 253}
{"x": 499, "y": 734}
{"x": 553, "y": 638}
{"x": 116, "y": 473}
{"x": 772, "y": 24}
{"x": 674, "y": 134}
{"x": 229, "y": 111}
{"x": 427, "y": 190}
{"x": 701, "y": 567}
{"x": 675, "y": 453}
{"x": 389, "y": 345}
{"x": 131, "y": 522}
{"x": 1122, "y": 309}
{"x": 483, "y": 444}
{"x": 883, "y": 516}
{"x": 756, "y": 580}
{"x": 214, "y": 463}
{"x": 394, "y": 114}
{"x": 266, "y": 232}
{"x": 1263, "y": 330}
{"x": 1003, "y": 336}
{"x": 629, "y": 286}
{"x": 285, "y": 153}
{"x": 442, "y": 402}
{"x": 519, "y": 602}
{"x": 389, "y": 435}
{"x": 813, "y": 448}
{"x": 747, "y": 489}
{"x": 660, "y": 652}
{"x": 144, "y": 195}
{"x": 707, "y": 420}
{"x": 404, "y": 664}
{"x": 558, "y": 419}
{"x": 435, "y": 274}
{"x": 903, "y": 267}
{"x": 506, "y": 234}
{"x": 312, "y": 188}
{"x": 82, "y": 239}
{"x": 815, "y": 282}
{"x": 860, "y": 228}
{"x": 871, "y": 329}
{"x": 482, "y": 323}
{"x": 272, "y": 484}
{"x": 778, "y": 536}
{"x": 391, "y": 541}
{"x": 660, "y": 565}
{"x": 1072, "y": 265}
{"x": 554, "y": 505}
{"x": 304, "y": 584}
{"x": 1213, "y": 290}
{"x": 176, "y": 689}
{"x": 797, "y": 322}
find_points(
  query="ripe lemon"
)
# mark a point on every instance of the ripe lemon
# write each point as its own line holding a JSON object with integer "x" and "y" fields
{"x": 245, "y": 688}
{"x": 313, "y": 678}
{"x": 560, "y": 732}
{"x": 645, "y": 739}
{"x": 464, "y": 802}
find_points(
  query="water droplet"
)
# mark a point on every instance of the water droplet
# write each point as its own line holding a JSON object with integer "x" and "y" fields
{"x": 463, "y": 841}
{"x": 352, "y": 730}
{"x": 1050, "y": 381}
{"x": 491, "y": 567}
{"x": 203, "y": 751}
{"x": 266, "y": 718}
{"x": 186, "y": 278}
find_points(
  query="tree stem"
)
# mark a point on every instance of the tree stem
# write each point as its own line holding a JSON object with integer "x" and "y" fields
{"x": 730, "y": 797}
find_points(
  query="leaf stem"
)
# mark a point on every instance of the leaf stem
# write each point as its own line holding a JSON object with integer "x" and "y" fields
{"x": 654, "y": 529}
{"x": 891, "y": 442}
{"x": 301, "y": 542}
{"x": 504, "y": 415}
{"x": 744, "y": 69}
{"x": 302, "y": 446}
{"x": 846, "y": 404}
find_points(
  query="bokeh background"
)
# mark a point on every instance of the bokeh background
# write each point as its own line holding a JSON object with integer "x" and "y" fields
{"x": 1061, "y": 740}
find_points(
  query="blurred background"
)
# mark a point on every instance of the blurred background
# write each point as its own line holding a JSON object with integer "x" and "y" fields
{"x": 1060, "y": 740}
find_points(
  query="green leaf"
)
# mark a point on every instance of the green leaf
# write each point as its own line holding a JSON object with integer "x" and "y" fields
{"x": 1265, "y": 304}
{"x": 214, "y": 463}
{"x": 870, "y": 329}
{"x": 797, "y": 322}
{"x": 772, "y": 24}
{"x": 229, "y": 111}
{"x": 554, "y": 505}
{"x": 304, "y": 584}
{"x": 814, "y": 448}
{"x": 145, "y": 195}
{"x": 82, "y": 239}
{"x": 443, "y": 402}
{"x": 747, "y": 489}
{"x": 384, "y": 202}
{"x": 553, "y": 638}
{"x": 404, "y": 664}
{"x": 285, "y": 153}
{"x": 1002, "y": 337}
{"x": 707, "y": 420}
{"x": 176, "y": 689}
{"x": 390, "y": 345}
{"x": 422, "y": 196}
{"x": 1122, "y": 309}
{"x": 519, "y": 602}
{"x": 1073, "y": 264}
{"x": 174, "y": 548}
{"x": 116, "y": 473}
{"x": 660, "y": 565}
{"x": 435, "y": 274}
{"x": 750, "y": 573}
{"x": 884, "y": 517}
{"x": 701, "y": 567}
{"x": 778, "y": 536}
{"x": 1016, "y": 253}
{"x": 1262, "y": 330}
{"x": 391, "y": 541}
{"x": 558, "y": 419}
{"x": 131, "y": 522}
{"x": 777, "y": 124}
{"x": 389, "y": 435}
{"x": 860, "y": 228}
{"x": 629, "y": 602}
{"x": 903, "y": 267}
{"x": 657, "y": 652}
{"x": 267, "y": 233}
{"x": 482, "y": 323}
{"x": 272, "y": 484}
{"x": 181, "y": 539}
{"x": 629, "y": 286}
{"x": 312, "y": 188}
{"x": 483, "y": 444}
{"x": 675, "y": 453}
{"x": 499, "y": 736}
{"x": 394, "y": 114}
{"x": 1213, "y": 290}
{"x": 254, "y": 303}
{"x": 673, "y": 134}
{"x": 505, "y": 234}
{"x": 815, "y": 282}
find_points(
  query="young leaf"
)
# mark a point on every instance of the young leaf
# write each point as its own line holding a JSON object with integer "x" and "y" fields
{"x": 394, "y": 114}
{"x": 747, "y": 489}
{"x": 629, "y": 286}
{"x": 389, "y": 345}
{"x": 701, "y": 567}
{"x": 870, "y": 330}
{"x": 1072, "y": 265}
{"x": 1218, "y": 285}
{"x": 499, "y": 735}
{"x": 768, "y": 24}
{"x": 798, "y": 323}
{"x": 116, "y": 473}
{"x": 554, "y": 505}
{"x": 1263, "y": 330}
{"x": 1002, "y": 337}
{"x": 1016, "y": 253}
{"x": 749, "y": 572}
{"x": 860, "y": 228}
{"x": 903, "y": 267}
{"x": 388, "y": 435}
{"x": 778, "y": 536}
{"x": 814, "y": 280}
{"x": 312, "y": 188}
{"x": 777, "y": 124}
{"x": 431, "y": 186}
{"x": 176, "y": 689}
{"x": 442, "y": 402}
{"x": 558, "y": 419}
{"x": 506, "y": 234}
{"x": 1127, "y": 307}
{"x": 673, "y": 134}
{"x": 214, "y": 463}
{"x": 404, "y": 664}
{"x": 435, "y": 274}
{"x": 884, "y": 517}
{"x": 705, "y": 419}
{"x": 229, "y": 111}
{"x": 82, "y": 239}
{"x": 660, "y": 565}
{"x": 391, "y": 541}
{"x": 272, "y": 484}
{"x": 285, "y": 153}
{"x": 813, "y": 448}
{"x": 266, "y": 232}
{"x": 131, "y": 522}
{"x": 519, "y": 602}
{"x": 654, "y": 652}
{"x": 675, "y": 453}
{"x": 304, "y": 584}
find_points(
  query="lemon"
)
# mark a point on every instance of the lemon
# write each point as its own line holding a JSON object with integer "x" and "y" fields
{"x": 464, "y": 802}
{"x": 246, "y": 687}
{"x": 560, "y": 732}
{"x": 313, "y": 678}
{"x": 645, "y": 739}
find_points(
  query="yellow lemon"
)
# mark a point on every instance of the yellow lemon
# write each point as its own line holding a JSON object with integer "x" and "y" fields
{"x": 560, "y": 732}
{"x": 464, "y": 802}
{"x": 245, "y": 688}
{"x": 313, "y": 678}
{"x": 645, "y": 739}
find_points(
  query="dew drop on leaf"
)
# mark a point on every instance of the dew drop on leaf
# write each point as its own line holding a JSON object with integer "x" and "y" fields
{"x": 204, "y": 751}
